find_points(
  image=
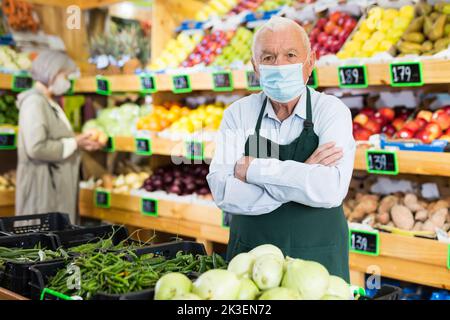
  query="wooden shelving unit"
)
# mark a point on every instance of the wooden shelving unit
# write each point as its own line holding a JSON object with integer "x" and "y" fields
{"x": 435, "y": 72}
{"x": 7, "y": 201}
{"x": 82, "y": 4}
{"x": 405, "y": 258}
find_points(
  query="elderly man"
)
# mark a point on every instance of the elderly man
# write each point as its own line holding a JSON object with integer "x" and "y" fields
{"x": 284, "y": 157}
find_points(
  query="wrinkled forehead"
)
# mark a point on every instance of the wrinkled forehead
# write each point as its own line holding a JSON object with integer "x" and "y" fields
{"x": 283, "y": 39}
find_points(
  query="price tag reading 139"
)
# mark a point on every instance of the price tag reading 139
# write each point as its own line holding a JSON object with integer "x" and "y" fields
{"x": 382, "y": 162}
{"x": 364, "y": 242}
{"x": 353, "y": 77}
{"x": 406, "y": 74}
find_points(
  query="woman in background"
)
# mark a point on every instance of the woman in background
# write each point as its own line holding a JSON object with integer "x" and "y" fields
{"x": 48, "y": 150}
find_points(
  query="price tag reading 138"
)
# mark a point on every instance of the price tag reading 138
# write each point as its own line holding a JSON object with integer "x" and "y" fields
{"x": 364, "y": 242}
{"x": 406, "y": 74}
{"x": 382, "y": 162}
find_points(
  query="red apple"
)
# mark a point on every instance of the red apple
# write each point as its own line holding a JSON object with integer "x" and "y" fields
{"x": 424, "y": 114}
{"x": 447, "y": 109}
{"x": 314, "y": 33}
{"x": 398, "y": 123}
{"x": 350, "y": 24}
{"x": 388, "y": 130}
{"x": 335, "y": 16}
{"x": 404, "y": 134}
{"x": 421, "y": 122}
{"x": 336, "y": 32}
{"x": 321, "y": 23}
{"x": 322, "y": 38}
{"x": 434, "y": 129}
{"x": 412, "y": 125}
{"x": 379, "y": 118}
{"x": 362, "y": 134}
{"x": 447, "y": 132}
{"x": 387, "y": 113}
{"x": 425, "y": 136}
{"x": 373, "y": 126}
{"x": 361, "y": 119}
{"x": 442, "y": 118}
{"x": 356, "y": 126}
{"x": 329, "y": 27}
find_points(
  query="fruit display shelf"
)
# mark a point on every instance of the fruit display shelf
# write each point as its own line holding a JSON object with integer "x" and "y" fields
{"x": 409, "y": 162}
{"x": 82, "y": 4}
{"x": 7, "y": 201}
{"x": 9, "y": 295}
{"x": 434, "y": 72}
{"x": 418, "y": 260}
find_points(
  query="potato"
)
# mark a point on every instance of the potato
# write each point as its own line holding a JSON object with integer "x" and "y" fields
{"x": 402, "y": 217}
{"x": 435, "y": 206}
{"x": 428, "y": 226}
{"x": 411, "y": 202}
{"x": 421, "y": 215}
{"x": 383, "y": 217}
{"x": 439, "y": 217}
{"x": 387, "y": 203}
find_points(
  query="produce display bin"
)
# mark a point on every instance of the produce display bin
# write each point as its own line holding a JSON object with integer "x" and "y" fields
{"x": 386, "y": 292}
{"x": 15, "y": 276}
{"x": 36, "y": 223}
{"x": 72, "y": 238}
{"x": 42, "y": 272}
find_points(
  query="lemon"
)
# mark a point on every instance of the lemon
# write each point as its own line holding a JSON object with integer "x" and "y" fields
{"x": 376, "y": 13}
{"x": 385, "y": 45}
{"x": 378, "y": 36}
{"x": 400, "y": 23}
{"x": 384, "y": 25}
{"x": 370, "y": 46}
{"x": 407, "y": 11}
{"x": 390, "y": 14}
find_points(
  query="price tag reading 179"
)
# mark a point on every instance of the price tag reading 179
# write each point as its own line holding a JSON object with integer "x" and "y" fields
{"x": 406, "y": 74}
{"x": 364, "y": 242}
{"x": 353, "y": 77}
{"x": 382, "y": 162}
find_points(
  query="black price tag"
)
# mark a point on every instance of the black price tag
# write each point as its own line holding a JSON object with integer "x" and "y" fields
{"x": 148, "y": 83}
{"x": 149, "y": 207}
{"x": 110, "y": 145}
{"x": 7, "y": 141}
{"x": 406, "y": 74}
{"x": 21, "y": 82}
{"x": 382, "y": 162}
{"x": 143, "y": 146}
{"x": 195, "y": 150}
{"x": 181, "y": 83}
{"x": 103, "y": 86}
{"x": 364, "y": 242}
{"x": 222, "y": 81}
{"x": 252, "y": 81}
{"x": 226, "y": 220}
{"x": 312, "y": 81}
{"x": 102, "y": 199}
{"x": 353, "y": 77}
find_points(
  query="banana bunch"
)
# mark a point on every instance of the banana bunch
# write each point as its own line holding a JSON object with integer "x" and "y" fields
{"x": 429, "y": 32}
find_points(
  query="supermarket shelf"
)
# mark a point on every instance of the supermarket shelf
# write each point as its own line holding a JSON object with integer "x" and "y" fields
{"x": 405, "y": 258}
{"x": 410, "y": 162}
{"x": 7, "y": 201}
{"x": 434, "y": 72}
{"x": 9, "y": 295}
{"x": 192, "y": 220}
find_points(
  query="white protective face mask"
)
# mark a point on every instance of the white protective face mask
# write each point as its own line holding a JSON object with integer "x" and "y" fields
{"x": 60, "y": 86}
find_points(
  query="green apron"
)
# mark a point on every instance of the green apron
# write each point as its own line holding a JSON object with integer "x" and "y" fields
{"x": 300, "y": 231}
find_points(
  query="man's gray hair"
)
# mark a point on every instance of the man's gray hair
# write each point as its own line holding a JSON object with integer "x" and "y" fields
{"x": 49, "y": 63}
{"x": 278, "y": 23}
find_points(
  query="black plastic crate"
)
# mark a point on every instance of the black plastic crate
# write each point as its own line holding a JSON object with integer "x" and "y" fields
{"x": 46, "y": 222}
{"x": 15, "y": 276}
{"x": 388, "y": 292}
{"x": 42, "y": 272}
{"x": 73, "y": 238}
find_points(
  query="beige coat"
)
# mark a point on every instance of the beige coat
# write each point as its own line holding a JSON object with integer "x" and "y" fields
{"x": 45, "y": 181}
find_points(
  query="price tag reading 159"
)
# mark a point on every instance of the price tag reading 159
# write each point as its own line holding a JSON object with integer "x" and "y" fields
{"x": 364, "y": 242}
{"x": 382, "y": 162}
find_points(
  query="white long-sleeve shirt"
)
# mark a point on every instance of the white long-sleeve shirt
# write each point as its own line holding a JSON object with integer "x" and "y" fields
{"x": 271, "y": 182}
